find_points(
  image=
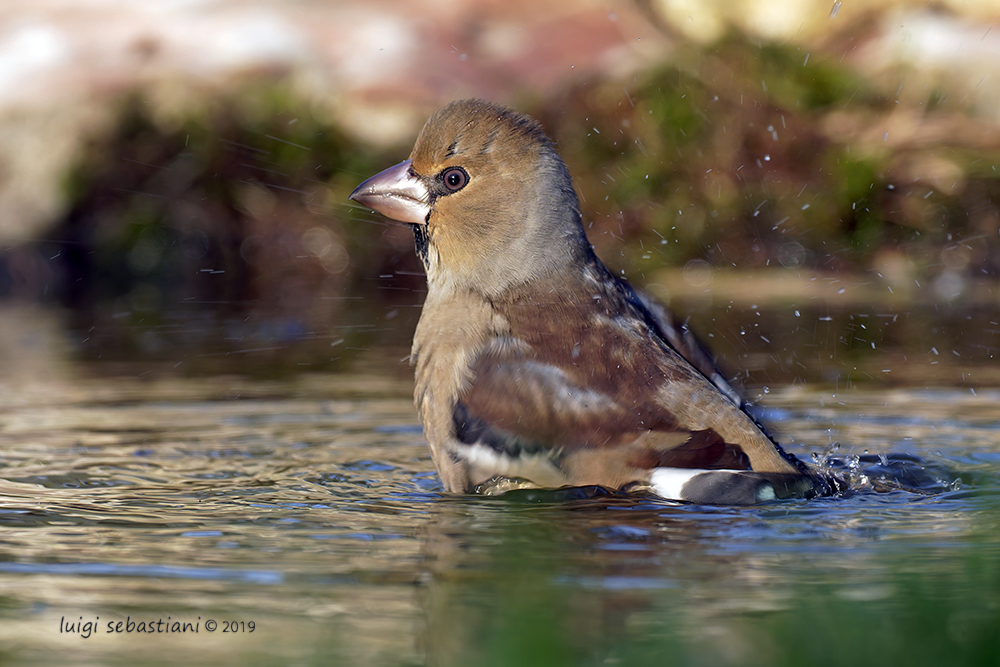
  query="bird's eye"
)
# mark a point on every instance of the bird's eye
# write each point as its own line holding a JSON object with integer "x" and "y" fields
{"x": 455, "y": 178}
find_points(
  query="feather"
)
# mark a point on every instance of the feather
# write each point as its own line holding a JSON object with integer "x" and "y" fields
{"x": 534, "y": 364}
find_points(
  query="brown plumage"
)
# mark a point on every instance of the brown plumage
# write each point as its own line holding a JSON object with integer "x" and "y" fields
{"x": 535, "y": 366}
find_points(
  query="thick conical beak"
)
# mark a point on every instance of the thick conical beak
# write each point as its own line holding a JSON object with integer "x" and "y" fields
{"x": 396, "y": 193}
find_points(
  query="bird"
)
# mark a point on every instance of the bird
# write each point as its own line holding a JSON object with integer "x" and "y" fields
{"x": 537, "y": 367}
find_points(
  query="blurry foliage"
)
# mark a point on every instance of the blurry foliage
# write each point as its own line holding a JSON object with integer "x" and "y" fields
{"x": 233, "y": 189}
{"x": 743, "y": 154}
{"x": 729, "y": 155}
{"x": 236, "y": 210}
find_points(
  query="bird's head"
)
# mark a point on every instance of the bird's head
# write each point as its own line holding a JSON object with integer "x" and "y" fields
{"x": 496, "y": 199}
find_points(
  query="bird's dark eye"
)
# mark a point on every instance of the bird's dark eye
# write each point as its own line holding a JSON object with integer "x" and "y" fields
{"x": 455, "y": 178}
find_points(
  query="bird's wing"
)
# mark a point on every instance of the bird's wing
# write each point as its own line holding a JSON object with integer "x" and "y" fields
{"x": 528, "y": 420}
{"x": 599, "y": 423}
{"x": 677, "y": 334}
{"x": 524, "y": 406}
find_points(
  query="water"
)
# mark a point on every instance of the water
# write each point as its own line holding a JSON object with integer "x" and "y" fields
{"x": 303, "y": 512}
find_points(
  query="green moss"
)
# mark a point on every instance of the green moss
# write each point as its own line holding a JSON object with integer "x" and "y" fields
{"x": 729, "y": 153}
{"x": 800, "y": 79}
{"x": 209, "y": 214}
{"x": 733, "y": 150}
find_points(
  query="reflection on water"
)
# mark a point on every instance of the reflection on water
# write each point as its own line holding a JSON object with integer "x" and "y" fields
{"x": 310, "y": 507}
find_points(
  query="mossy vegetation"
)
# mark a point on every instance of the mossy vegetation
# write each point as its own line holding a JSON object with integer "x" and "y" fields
{"x": 220, "y": 190}
{"x": 730, "y": 153}
{"x": 234, "y": 214}
{"x": 746, "y": 155}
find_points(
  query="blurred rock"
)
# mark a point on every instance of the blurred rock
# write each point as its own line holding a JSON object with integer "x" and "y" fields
{"x": 799, "y": 21}
{"x": 911, "y": 45}
{"x": 374, "y": 68}
{"x": 808, "y": 134}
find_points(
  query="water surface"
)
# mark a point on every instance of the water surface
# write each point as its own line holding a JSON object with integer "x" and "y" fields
{"x": 307, "y": 505}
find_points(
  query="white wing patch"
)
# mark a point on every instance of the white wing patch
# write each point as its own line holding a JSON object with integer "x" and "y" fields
{"x": 724, "y": 487}
{"x": 485, "y": 462}
{"x": 669, "y": 482}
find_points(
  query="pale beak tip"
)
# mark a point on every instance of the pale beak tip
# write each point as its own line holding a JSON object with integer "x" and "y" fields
{"x": 396, "y": 194}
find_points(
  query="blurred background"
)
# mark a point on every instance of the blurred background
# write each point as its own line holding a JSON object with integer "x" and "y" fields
{"x": 205, "y": 404}
{"x": 174, "y": 173}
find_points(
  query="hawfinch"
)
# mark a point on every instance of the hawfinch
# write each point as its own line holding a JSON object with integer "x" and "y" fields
{"x": 535, "y": 365}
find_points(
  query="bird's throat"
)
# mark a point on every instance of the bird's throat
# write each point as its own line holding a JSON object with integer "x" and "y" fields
{"x": 421, "y": 238}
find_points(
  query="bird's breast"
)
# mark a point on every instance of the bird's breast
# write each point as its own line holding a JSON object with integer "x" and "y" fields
{"x": 453, "y": 327}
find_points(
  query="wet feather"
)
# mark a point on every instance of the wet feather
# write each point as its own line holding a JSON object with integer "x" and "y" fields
{"x": 533, "y": 362}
